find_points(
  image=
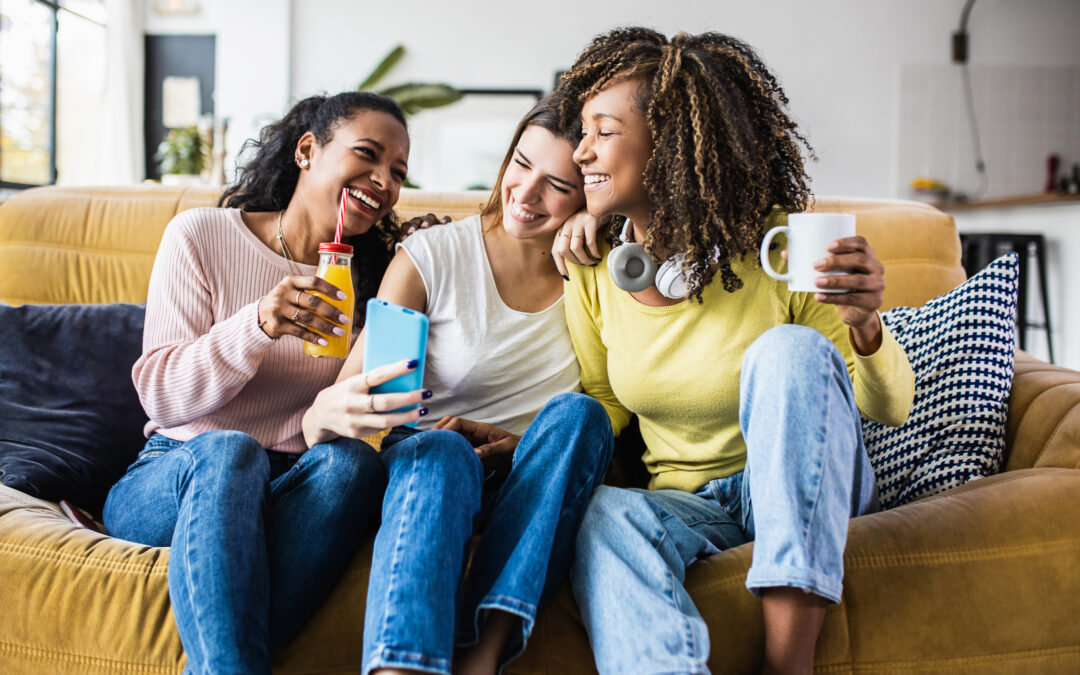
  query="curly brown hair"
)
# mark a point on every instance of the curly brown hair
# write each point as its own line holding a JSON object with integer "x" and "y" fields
{"x": 725, "y": 151}
{"x": 267, "y": 179}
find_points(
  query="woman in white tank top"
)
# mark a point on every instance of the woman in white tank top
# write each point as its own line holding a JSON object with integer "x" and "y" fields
{"x": 496, "y": 457}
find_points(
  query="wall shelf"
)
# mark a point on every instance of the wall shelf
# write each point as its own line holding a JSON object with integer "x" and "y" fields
{"x": 1046, "y": 198}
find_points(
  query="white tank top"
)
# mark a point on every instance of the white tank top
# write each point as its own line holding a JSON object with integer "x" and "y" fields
{"x": 485, "y": 361}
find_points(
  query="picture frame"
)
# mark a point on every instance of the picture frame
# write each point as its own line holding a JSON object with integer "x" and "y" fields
{"x": 462, "y": 145}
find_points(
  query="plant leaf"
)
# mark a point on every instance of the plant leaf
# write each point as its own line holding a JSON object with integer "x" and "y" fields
{"x": 415, "y": 96}
{"x": 388, "y": 62}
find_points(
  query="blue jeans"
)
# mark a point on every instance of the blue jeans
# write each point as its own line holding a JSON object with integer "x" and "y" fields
{"x": 433, "y": 505}
{"x": 258, "y": 538}
{"x": 806, "y": 474}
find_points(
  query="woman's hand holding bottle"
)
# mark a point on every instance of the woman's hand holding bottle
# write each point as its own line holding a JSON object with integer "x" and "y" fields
{"x": 290, "y": 309}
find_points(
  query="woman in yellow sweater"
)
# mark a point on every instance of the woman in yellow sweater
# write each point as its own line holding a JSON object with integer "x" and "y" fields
{"x": 748, "y": 395}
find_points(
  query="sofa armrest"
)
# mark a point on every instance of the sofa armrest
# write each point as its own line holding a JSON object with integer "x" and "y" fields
{"x": 1044, "y": 416}
{"x": 973, "y": 578}
{"x": 78, "y": 601}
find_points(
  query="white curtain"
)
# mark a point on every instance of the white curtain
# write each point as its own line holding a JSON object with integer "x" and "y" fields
{"x": 122, "y": 140}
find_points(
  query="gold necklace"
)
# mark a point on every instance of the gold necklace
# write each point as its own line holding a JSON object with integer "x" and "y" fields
{"x": 285, "y": 249}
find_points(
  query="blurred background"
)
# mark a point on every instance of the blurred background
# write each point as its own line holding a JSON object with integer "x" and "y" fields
{"x": 972, "y": 105}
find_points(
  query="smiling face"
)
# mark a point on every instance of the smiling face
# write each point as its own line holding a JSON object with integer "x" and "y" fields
{"x": 615, "y": 147}
{"x": 541, "y": 186}
{"x": 369, "y": 155}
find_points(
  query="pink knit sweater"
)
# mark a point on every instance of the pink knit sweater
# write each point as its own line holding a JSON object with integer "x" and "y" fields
{"x": 206, "y": 365}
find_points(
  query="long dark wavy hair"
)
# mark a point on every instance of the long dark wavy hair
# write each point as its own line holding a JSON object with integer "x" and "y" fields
{"x": 546, "y": 116}
{"x": 725, "y": 151}
{"x": 267, "y": 181}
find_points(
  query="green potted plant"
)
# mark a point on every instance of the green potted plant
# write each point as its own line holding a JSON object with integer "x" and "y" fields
{"x": 411, "y": 96}
{"x": 180, "y": 156}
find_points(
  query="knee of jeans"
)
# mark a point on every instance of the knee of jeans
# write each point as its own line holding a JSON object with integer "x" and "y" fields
{"x": 346, "y": 462}
{"x": 577, "y": 410}
{"x": 785, "y": 346}
{"x": 442, "y": 452}
{"x": 610, "y": 511}
{"x": 229, "y": 451}
{"x": 575, "y": 405}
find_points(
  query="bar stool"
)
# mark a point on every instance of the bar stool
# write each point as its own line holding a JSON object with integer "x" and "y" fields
{"x": 980, "y": 249}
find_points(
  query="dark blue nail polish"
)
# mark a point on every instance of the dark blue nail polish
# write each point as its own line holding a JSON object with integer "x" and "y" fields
{"x": 422, "y": 411}
{"x": 427, "y": 394}
{"x": 565, "y": 278}
{"x": 412, "y": 364}
{"x": 594, "y": 264}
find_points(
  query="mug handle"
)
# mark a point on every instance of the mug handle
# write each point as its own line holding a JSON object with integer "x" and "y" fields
{"x": 764, "y": 253}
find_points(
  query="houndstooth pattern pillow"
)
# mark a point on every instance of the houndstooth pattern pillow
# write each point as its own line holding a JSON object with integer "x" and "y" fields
{"x": 961, "y": 346}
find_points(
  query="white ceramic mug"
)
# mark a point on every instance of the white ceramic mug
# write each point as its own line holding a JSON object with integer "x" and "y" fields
{"x": 808, "y": 235}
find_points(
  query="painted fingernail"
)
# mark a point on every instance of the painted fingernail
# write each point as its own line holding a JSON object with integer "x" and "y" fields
{"x": 422, "y": 411}
{"x": 565, "y": 278}
{"x": 342, "y": 318}
{"x": 427, "y": 394}
{"x": 341, "y": 295}
{"x": 339, "y": 331}
{"x": 412, "y": 364}
{"x": 323, "y": 342}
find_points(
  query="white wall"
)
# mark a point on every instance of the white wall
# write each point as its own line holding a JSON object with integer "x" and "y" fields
{"x": 837, "y": 59}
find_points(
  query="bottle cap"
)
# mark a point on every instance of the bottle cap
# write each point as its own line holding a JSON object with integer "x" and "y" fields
{"x": 331, "y": 247}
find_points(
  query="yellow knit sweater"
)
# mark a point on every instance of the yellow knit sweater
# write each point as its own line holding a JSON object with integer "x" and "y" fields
{"x": 678, "y": 367}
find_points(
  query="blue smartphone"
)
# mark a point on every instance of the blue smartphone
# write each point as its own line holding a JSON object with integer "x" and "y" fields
{"x": 395, "y": 333}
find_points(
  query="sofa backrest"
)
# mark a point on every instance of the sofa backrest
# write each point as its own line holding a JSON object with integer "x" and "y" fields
{"x": 96, "y": 244}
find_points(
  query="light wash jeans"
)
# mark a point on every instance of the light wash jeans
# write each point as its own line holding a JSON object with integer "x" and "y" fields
{"x": 806, "y": 474}
{"x": 259, "y": 538}
{"x": 418, "y": 607}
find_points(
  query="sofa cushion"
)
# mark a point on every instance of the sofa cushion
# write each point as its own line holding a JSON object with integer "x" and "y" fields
{"x": 961, "y": 346}
{"x": 70, "y": 420}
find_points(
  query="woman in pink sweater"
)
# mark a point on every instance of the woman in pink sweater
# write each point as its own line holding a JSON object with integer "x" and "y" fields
{"x": 260, "y": 525}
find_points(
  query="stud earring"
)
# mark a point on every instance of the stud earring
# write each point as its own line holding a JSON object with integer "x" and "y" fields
{"x": 304, "y": 163}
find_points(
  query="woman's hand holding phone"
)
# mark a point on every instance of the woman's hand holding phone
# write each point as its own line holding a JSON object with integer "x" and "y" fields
{"x": 349, "y": 409}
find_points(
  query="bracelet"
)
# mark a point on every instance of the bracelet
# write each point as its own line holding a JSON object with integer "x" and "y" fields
{"x": 264, "y": 321}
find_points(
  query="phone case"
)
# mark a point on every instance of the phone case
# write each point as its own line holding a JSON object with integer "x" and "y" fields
{"x": 393, "y": 333}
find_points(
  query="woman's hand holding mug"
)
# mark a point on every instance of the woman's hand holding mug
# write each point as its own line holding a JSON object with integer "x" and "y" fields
{"x": 827, "y": 258}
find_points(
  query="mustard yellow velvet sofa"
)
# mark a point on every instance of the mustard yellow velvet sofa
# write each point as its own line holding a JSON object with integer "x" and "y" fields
{"x": 983, "y": 578}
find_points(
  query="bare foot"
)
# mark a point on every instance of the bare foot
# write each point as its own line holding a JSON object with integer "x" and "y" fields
{"x": 483, "y": 657}
{"x": 793, "y": 620}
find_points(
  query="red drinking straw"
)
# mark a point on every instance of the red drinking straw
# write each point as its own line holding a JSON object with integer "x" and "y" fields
{"x": 340, "y": 220}
{"x": 341, "y": 215}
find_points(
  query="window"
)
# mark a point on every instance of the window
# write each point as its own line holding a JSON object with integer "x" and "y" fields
{"x": 52, "y": 83}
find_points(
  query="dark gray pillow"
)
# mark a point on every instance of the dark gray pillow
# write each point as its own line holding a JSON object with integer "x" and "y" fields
{"x": 70, "y": 420}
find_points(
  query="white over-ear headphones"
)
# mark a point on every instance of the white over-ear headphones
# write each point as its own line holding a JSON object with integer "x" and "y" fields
{"x": 633, "y": 270}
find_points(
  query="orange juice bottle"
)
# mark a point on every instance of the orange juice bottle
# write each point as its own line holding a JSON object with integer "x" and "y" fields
{"x": 335, "y": 266}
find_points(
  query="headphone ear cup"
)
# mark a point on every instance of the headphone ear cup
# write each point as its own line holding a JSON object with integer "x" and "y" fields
{"x": 631, "y": 267}
{"x": 670, "y": 280}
